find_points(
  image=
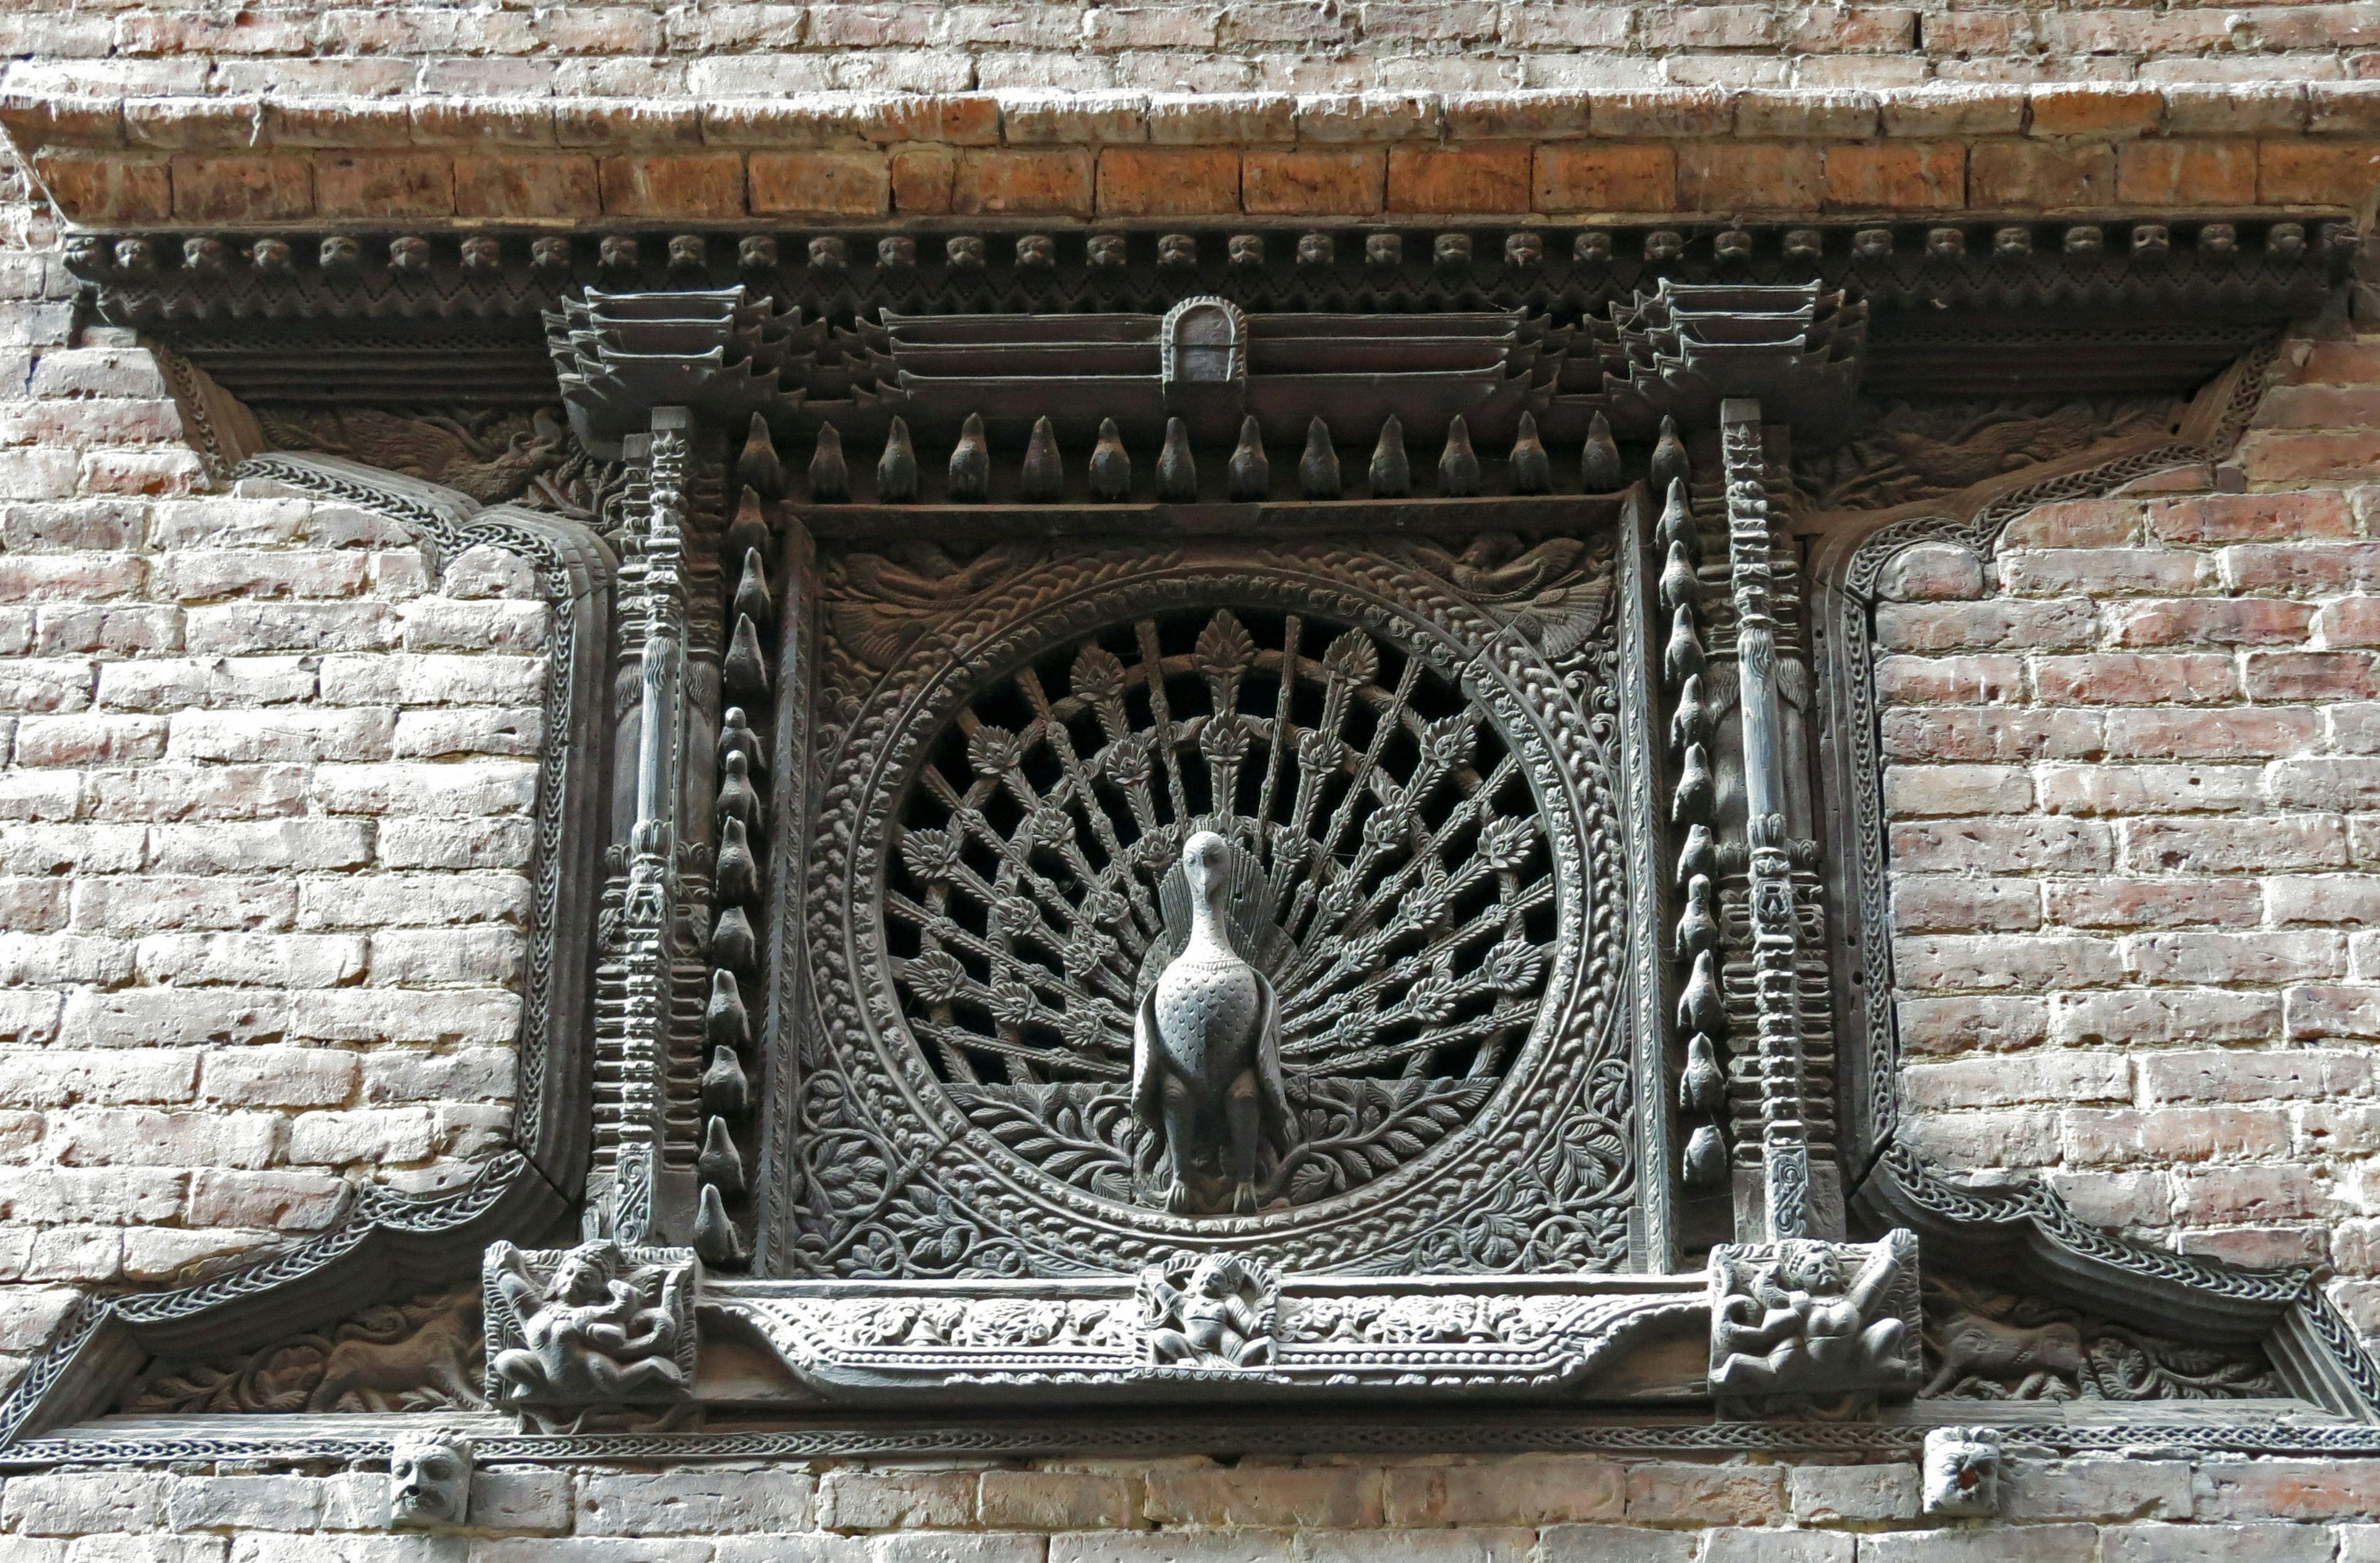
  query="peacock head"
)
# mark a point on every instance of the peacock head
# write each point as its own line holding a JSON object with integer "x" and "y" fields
{"x": 1207, "y": 863}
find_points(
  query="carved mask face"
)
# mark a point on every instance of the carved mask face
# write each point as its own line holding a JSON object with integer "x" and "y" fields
{"x": 1314, "y": 249}
{"x": 429, "y": 1482}
{"x": 1106, "y": 251}
{"x": 1246, "y": 250}
{"x": 1177, "y": 251}
{"x": 1038, "y": 251}
{"x": 1384, "y": 249}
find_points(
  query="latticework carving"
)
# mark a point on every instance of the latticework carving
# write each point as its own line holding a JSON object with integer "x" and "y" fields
{"x": 1411, "y": 749}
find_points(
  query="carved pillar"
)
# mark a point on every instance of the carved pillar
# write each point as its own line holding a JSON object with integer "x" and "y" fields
{"x": 1779, "y": 1200}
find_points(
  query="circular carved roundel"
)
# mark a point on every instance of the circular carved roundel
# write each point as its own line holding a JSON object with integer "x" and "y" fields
{"x": 1388, "y": 872}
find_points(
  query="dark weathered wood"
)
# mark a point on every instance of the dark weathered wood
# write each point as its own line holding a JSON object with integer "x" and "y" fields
{"x": 1534, "y": 515}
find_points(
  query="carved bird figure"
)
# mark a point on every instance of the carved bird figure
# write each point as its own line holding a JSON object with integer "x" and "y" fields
{"x": 1206, "y": 1057}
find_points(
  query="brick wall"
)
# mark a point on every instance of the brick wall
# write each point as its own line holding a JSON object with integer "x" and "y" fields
{"x": 1528, "y": 1509}
{"x": 709, "y": 49}
{"x": 265, "y": 784}
{"x": 2133, "y": 783}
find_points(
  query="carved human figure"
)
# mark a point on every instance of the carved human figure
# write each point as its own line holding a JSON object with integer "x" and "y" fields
{"x": 1217, "y": 1320}
{"x": 1813, "y": 1330}
{"x": 429, "y": 1479}
{"x": 1206, "y": 1057}
{"x": 587, "y": 1334}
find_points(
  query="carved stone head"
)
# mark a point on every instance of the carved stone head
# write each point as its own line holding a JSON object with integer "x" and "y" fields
{"x": 1316, "y": 249}
{"x": 1177, "y": 253}
{"x": 205, "y": 254}
{"x": 1962, "y": 1473}
{"x": 1452, "y": 249}
{"x": 688, "y": 252}
{"x": 1036, "y": 252}
{"x": 617, "y": 252}
{"x": 272, "y": 256}
{"x": 755, "y": 252}
{"x": 1246, "y": 250}
{"x": 897, "y": 253}
{"x": 341, "y": 253}
{"x": 965, "y": 251}
{"x": 429, "y": 1479}
{"x": 409, "y": 254}
{"x": 481, "y": 253}
{"x": 1384, "y": 249}
{"x": 1524, "y": 252}
{"x": 550, "y": 254}
{"x": 827, "y": 254}
{"x": 1106, "y": 253}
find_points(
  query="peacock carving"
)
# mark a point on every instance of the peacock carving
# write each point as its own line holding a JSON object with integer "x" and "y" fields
{"x": 1373, "y": 856}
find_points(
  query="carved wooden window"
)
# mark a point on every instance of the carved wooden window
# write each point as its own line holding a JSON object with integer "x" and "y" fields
{"x": 1411, "y": 749}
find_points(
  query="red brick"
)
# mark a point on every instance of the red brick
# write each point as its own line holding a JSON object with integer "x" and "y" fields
{"x": 922, "y": 179}
{"x": 2211, "y": 622}
{"x": 2222, "y": 518}
{"x": 1472, "y": 179}
{"x": 384, "y": 185}
{"x": 1320, "y": 184}
{"x": 1937, "y": 681}
{"x": 2019, "y": 176}
{"x": 1898, "y": 176}
{"x": 663, "y": 184}
{"x": 2102, "y": 523}
{"x": 98, "y": 187}
{"x": 242, "y": 189}
{"x": 2320, "y": 406}
{"x": 2001, "y": 734}
{"x": 2235, "y": 845}
{"x": 821, "y": 184}
{"x": 2353, "y": 620}
{"x": 2316, "y": 173}
{"x": 2135, "y": 903}
{"x": 1731, "y": 176}
{"x": 526, "y": 186}
{"x": 1959, "y": 903}
{"x": 2340, "y": 363}
{"x": 1022, "y": 183}
{"x": 2003, "y": 846}
{"x": 2312, "y": 676}
{"x": 1606, "y": 176}
{"x": 1168, "y": 181}
{"x": 2314, "y": 568}
{"x": 1991, "y": 626}
{"x": 2104, "y": 572}
{"x": 2114, "y": 679}
{"x": 1972, "y": 1023}
{"x": 2102, "y": 111}
{"x": 2171, "y": 173}
{"x": 2250, "y": 732}
{"x": 2297, "y": 458}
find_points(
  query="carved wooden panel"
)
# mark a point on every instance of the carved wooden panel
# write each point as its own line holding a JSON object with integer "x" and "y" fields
{"x": 1412, "y": 749}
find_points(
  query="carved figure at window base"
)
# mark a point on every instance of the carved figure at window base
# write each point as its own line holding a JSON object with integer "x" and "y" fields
{"x": 1813, "y": 1327}
{"x": 597, "y": 1324}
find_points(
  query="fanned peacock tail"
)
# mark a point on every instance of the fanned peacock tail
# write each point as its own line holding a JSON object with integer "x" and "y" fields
{"x": 1391, "y": 880}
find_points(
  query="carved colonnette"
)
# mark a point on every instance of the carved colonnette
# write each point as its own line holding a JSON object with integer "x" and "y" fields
{"x": 1417, "y": 647}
